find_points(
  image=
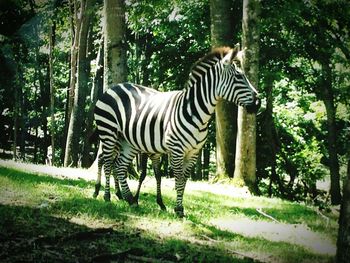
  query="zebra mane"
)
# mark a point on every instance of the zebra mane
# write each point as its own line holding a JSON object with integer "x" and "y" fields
{"x": 209, "y": 59}
{"x": 215, "y": 55}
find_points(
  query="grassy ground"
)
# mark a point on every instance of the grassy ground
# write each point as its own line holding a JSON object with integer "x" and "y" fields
{"x": 53, "y": 219}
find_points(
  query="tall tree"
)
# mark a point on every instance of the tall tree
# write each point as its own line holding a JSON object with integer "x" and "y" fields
{"x": 246, "y": 135}
{"x": 77, "y": 115}
{"x": 115, "y": 67}
{"x": 222, "y": 34}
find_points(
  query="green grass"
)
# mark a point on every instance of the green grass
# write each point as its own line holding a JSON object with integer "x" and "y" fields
{"x": 48, "y": 217}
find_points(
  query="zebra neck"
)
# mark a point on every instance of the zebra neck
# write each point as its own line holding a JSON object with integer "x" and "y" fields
{"x": 199, "y": 103}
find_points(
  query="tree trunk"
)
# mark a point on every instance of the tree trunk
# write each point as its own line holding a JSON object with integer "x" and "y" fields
{"x": 15, "y": 121}
{"x": 206, "y": 161}
{"x": 343, "y": 243}
{"x": 52, "y": 93}
{"x": 328, "y": 100}
{"x": 197, "y": 169}
{"x": 269, "y": 139}
{"x": 115, "y": 46}
{"x": 75, "y": 29}
{"x": 97, "y": 88}
{"x": 222, "y": 34}
{"x": 77, "y": 116}
{"x": 246, "y": 135}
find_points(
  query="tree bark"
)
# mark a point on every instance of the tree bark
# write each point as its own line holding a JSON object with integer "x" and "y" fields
{"x": 115, "y": 70}
{"x": 222, "y": 34}
{"x": 343, "y": 243}
{"x": 246, "y": 135}
{"x": 77, "y": 116}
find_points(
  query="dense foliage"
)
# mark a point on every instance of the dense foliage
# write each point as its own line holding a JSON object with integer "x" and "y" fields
{"x": 302, "y": 42}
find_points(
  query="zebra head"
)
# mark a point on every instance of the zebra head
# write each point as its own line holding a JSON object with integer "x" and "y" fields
{"x": 235, "y": 86}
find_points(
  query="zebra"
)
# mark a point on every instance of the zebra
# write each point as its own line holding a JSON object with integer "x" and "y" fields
{"x": 133, "y": 118}
{"x": 143, "y": 164}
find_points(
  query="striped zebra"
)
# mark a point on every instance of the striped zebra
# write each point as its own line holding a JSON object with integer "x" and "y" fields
{"x": 132, "y": 118}
{"x": 143, "y": 164}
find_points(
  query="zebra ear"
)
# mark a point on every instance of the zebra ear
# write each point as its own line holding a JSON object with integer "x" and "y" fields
{"x": 226, "y": 60}
{"x": 240, "y": 55}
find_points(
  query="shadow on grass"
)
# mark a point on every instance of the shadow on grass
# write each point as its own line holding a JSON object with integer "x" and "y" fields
{"x": 34, "y": 235}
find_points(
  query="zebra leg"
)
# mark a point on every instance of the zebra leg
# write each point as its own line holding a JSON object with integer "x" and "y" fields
{"x": 124, "y": 159}
{"x": 158, "y": 174}
{"x": 143, "y": 164}
{"x": 188, "y": 164}
{"x": 118, "y": 192}
{"x": 108, "y": 156}
{"x": 180, "y": 183}
{"x": 100, "y": 161}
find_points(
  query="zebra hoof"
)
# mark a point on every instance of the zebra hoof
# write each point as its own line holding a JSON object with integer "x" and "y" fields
{"x": 119, "y": 195}
{"x": 161, "y": 205}
{"x": 97, "y": 190}
{"x": 135, "y": 201}
{"x": 130, "y": 199}
{"x": 134, "y": 204}
{"x": 107, "y": 197}
{"x": 179, "y": 211}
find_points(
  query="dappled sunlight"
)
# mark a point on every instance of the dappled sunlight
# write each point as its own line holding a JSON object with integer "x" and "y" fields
{"x": 295, "y": 234}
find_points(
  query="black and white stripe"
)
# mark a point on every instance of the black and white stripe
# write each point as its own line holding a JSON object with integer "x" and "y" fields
{"x": 131, "y": 118}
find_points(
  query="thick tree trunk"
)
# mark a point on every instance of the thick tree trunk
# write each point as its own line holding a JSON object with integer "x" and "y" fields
{"x": 115, "y": 46}
{"x": 246, "y": 135}
{"x": 343, "y": 243}
{"x": 222, "y": 34}
{"x": 77, "y": 116}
